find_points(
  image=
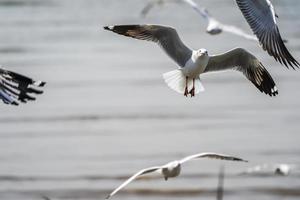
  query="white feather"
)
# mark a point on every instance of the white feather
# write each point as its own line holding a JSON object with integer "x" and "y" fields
{"x": 176, "y": 80}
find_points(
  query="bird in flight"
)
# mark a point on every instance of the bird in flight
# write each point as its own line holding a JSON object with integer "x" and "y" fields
{"x": 260, "y": 15}
{"x": 172, "y": 169}
{"x": 192, "y": 63}
{"x": 214, "y": 26}
{"x": 15, "y": 88}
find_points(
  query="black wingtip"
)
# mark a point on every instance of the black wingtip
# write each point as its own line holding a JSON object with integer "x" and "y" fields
{"x": 14, "y": 103}
{"x": 109, "y": 28}
{"x": 42, "y": 84}
{"x": 240, "y": 159}
{"x": 266, "y": 84}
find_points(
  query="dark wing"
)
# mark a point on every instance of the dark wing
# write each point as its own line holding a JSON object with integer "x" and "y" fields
{"x": 241, "y": 60}
{"x": 14, "y": 86}
{"x": 166, "y": 37}
{"x": 143, "y": 171}
{"x": 261, "y": 17}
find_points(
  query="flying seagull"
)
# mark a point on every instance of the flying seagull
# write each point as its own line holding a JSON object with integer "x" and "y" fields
{"x": 192, "y": 63}
{"x": 15, "y": 87}
{"x": 172, "y": 169}
{"x": 261, "y": 17}
{"x": 213, "y": 26}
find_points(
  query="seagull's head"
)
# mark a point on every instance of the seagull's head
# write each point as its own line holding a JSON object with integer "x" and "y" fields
{"x": 174, "y": 164}
{"x": 202, "y": 52}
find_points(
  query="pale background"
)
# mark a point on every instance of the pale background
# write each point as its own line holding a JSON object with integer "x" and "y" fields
{"x": 106, "y": 111}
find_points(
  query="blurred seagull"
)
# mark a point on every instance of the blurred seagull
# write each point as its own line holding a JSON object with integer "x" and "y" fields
{"x": 213, "y": 26}
{"x": 172, "y": 169}
{"x": 14, "y": 87}
{"x": 192, "y": 63}
{"x": 261, "y": 17}
{"x": 276, "y": 169}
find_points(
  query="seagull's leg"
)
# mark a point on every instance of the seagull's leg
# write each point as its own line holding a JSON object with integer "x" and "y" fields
{"x": 186, "y": 92}
{"x": 192, "y": 92}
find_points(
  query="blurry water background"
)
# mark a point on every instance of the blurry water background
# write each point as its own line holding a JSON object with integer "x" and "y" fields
{"x": 106, "y": 111}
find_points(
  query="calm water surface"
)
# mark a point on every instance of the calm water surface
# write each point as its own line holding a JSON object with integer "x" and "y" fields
{"x": 106, "y": 111}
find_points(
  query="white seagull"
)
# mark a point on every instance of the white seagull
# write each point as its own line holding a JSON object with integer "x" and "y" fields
{"x": 213, "y": 26}
{"x": 261, "y": 17}
{"x": 172, "y": 169}
{"x": 193, "y": 63}
{"x": 15, "y": 87}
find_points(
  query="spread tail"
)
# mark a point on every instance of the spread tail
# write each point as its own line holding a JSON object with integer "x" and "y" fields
{"x": 177, "y": 81}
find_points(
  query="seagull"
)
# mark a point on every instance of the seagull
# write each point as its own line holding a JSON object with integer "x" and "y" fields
{"x": 276, "y": 169}
{"x": 261, "y": 17}
{"x": 172, "y": 169}
{"x": 15, "y": 87}
{"x": 214, "y": 27}
{"x": 192, "y": 63}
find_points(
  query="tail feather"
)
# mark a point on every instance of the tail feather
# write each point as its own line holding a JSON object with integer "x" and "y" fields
{"x": 177, "y": 81}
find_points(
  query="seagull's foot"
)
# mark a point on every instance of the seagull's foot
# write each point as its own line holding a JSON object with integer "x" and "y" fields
{"x": 186, "y": 92}
{"x": 192, "y": 92}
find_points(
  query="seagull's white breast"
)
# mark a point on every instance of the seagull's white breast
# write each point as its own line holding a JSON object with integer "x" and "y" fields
{"x": 195, "y": 65}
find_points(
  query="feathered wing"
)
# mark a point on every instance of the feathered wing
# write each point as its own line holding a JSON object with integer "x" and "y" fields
{"x": 166, "y": 37}
{"x": 241, "y": 60}
{"x": 261, "y": 17}
{"x": 14, "y": 86}
{"x": 212, "y": 156}
{"x": 6, "y": 98}
{"x": 143, "y": 171}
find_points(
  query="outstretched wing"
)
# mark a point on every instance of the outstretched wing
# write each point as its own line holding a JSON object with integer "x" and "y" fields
{"x": 261, "y": 17}
{"x": 14, "y": 86}
{"x": 241, "y": 60}
{"x": 143, "y": 171}
{"x": 166, "y": 37}
{"x": 212, "y": 156}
